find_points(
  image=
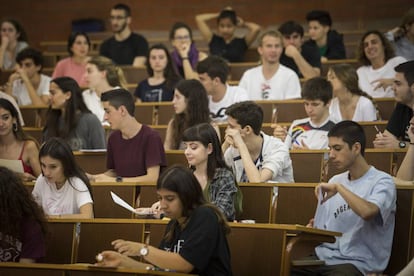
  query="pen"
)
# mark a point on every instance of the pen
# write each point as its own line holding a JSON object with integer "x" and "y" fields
{"x": 378, "y": 131}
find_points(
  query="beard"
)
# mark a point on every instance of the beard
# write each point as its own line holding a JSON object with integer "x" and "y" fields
{"x": 121, "y": 28}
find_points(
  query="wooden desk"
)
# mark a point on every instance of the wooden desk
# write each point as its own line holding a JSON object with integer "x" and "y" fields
{"x": 34, "y": 115}
{"x": 41, "y": 269}
{"x": 261, "y": 249}
{"x": 91, "y": 162}
{"x": 403, "y": 242}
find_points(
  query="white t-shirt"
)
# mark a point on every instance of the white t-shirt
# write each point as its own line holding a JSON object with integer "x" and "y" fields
{"x": 284, "y": 84}
{"x": 364, "y": 111}
{"x": 22, "y": 95}
{"x": 364, "y": 243}
{"x": 234, "y": 94}
{"x": 67, "y": 200}
{"x": 303, "y": 130}
{"x": 274, "y": 156}
{"x": 366, "y": 75}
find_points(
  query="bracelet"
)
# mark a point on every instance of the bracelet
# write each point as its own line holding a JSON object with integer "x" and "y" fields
{"x": 184, "y": 58}
{"x": 411, "y": 143}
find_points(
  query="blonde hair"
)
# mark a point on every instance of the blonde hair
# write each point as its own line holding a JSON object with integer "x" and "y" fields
{"x": 114, "y": 74}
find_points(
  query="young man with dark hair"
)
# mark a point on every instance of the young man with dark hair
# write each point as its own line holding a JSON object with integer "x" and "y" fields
{"x": 135, "y": 152}
{"x": 271, "y": 80}
{"x": 253, "y": 155}
{"x": 395, "y": 134}
{"x": 27, "y": 85}
{"x": 213, "y": 72}
{"x": 311, "y": 132}
{"x": 125, "y": 47}
{"x": 360, "y": 203}
{"x": 330, "y": 42}
{"x": 304, "y": 59}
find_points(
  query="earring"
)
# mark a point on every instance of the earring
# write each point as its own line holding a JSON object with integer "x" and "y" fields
{"x": 14, "y": 127}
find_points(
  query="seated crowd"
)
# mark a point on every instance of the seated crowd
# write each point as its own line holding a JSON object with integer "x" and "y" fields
{"x": 207, "y": 195}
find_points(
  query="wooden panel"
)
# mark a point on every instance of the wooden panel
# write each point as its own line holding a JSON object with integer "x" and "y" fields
{"x": 60, "y": 242}
{"x": 97, "y": 236}
{"x": 165, "y": 113}
{"x": 134, "y": 74}
{"x": 105, "y": 207}
{"x": 257, "y": 202}
{"x": 403, "y": 242}
{"x": 144, "y": 114}
{"x": 175, "y": 157}
{"x": 34, "y": 116}
{"x": 91, "y": 162}
{"x": 237, "y": 69}
{"x": 385, "y": 107}
{"x": 296, "y": 203}
{"x": 307, "y": 165}
{"x": 255, "y": 251}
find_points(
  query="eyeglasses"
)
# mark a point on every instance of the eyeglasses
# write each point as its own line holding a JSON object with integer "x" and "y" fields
{"x": 112, "y": 18}
{"x": 184, "y": 37}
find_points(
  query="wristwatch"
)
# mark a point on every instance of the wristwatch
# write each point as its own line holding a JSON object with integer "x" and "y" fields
{"x": 118, "y": 179}
{"x": 144, "y": 251}
{"x": 402, "y": 144}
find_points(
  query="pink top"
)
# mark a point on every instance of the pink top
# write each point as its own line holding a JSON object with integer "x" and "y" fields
{"x": 68, "y": 68}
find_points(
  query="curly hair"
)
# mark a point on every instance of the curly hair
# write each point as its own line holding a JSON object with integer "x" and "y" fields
{"x": 196, "y": 112}
{"x": 388, "y": 49}
{"x": 17, "y": 205}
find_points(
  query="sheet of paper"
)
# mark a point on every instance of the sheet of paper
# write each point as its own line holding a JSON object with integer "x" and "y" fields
{"x": 318, "y": 219}
{"x": 14, "y": 165}
{"x": 122, "y": 203}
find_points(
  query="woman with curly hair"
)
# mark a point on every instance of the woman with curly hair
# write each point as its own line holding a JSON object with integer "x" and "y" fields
{"x": 376, "y": 75}
{"x": 191, "y": 108}
{"x": 23, "y": 225}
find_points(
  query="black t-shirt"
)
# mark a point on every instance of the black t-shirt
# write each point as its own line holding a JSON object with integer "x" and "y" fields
{"x": 335, "y": 47}
{"x": 309, "y": 52}
{"x": 233, "y": 51}
{"x": 202, "y": 243}
{"x": 124, "y": 52}
{"x": 153, "y": 93}
{"x": 399, "y": 122}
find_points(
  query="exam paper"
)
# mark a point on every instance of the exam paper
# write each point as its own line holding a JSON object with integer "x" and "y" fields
{"x": 13, "y": 165}
{"x": 122, "y": 203}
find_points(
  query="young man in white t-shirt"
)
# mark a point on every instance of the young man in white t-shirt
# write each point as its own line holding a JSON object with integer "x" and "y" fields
{"x": 311, "y": 132}
{"x": 360, "y": 203}
{"x": 271, "y": 80}
{"x": 27, "y": 85}
{"x": 253, "y": 155}
{"x": 213, "y": 72}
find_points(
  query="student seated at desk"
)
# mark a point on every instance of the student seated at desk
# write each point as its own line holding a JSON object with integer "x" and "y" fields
{"x": 135, "y": 152}
{"x": 360, "y": 203}
{"x": 253, "y": 155}
{"x": 311, "y": 132}
{"x": 63, "y": 190}
{"x": 23, "y": 224}
{"x": 195, "y": 238}
{"x": 205, "y": 158}
{"x": 15, "y": 144}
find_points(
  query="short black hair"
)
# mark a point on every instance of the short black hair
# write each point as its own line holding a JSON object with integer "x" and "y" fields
{"x": 323, "y": 17}
{"x": 351, "y": 132}
{"x": 214, "y": 66}
{"x": 247, "y": 113}
{"x": 118, "y": 97}
{"x": 290, "y": 27}
{"x": 124, "y": 7}
{"x": 407, "y": 68}
{"x": 30, "y": 53}
{"x": 230, "y": 14}
{"x": 317, "y": 88}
